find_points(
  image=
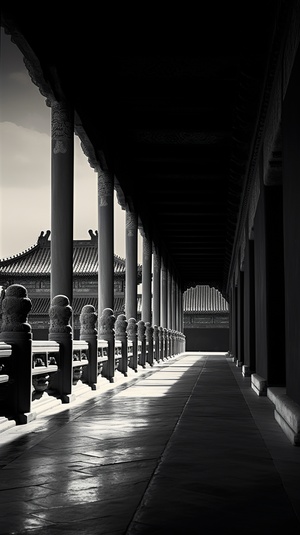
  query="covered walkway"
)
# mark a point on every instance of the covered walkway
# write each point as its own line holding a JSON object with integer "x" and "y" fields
{"x": 185, "y": 447}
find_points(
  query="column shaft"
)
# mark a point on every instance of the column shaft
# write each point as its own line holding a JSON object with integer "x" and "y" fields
{"x": 131, "y": 266}
{"x": 105, "y": 241}
{"x": 156, "y": 288}
{"x": 62, "y": 191}
{"x": 146, "y": 280}
{"x": 169, "y": 299}
{"x": 163, "y": 297}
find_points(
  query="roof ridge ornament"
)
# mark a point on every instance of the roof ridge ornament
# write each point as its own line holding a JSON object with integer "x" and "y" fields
{"x": 93, "y": 235}
{"x": 43, "y": 238}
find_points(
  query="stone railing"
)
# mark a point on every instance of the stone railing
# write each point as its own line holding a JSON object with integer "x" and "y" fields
{"x": 35, "y": 374}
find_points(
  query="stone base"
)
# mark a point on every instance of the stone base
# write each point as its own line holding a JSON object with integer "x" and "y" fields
{"x": 286, "y": 413}
{"x": 258, "y": 384}
{"x": 26, "y": 417}
{"x": 246, "y": 371}
{"x": 45, "y": 403}
{"x": 5, "y": 423}
{"x": 238, "y": 363}
{"x": 79, "y": 389}
{"x": 68, "y": 398}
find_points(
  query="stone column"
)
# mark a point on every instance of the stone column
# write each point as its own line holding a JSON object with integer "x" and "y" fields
{"x": 180, "y": 309}
{"x": 249, "y": 310}
{"x": 234, "y": 320}
{"x": 176, "y": 324}
{"x": 146, "y": 279}
{"x": 156, "y": 288}
{"x": 240, "y": 319}
{"x": 169, "y": 299}
{"x": 163, "y": 296}
{"x": 62, "y": 191}
{"x": 105, "y": 241}
{"x": 131, "y": 265}
{"x": 173, "y": 304}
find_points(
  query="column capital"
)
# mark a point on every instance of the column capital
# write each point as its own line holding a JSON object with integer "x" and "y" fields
{"x": 131, "y": 224}
{"x": 105, "y": 186}
{"x": 62, "y": 128}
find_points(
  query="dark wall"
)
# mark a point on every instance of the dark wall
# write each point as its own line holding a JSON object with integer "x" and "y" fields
{"x": 207, "y": 339}
{"x": 233, "y": 322}
{"x": 240, "y": 317}
{"x": 249, "y": 304}
{"x": 261, "y": 347}
{"x": 291, "y": 204}
{"x": 269, "y": 286}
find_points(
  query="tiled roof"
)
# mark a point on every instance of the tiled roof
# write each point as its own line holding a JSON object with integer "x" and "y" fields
{"x": 41, "y": 305}
{"x": 37, "y": 260}
{"x": 204, "y": 299}
{"x": 199, "y": 299}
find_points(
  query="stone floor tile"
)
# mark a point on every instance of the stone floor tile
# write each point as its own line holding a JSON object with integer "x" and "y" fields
{"x": 178, "y": 447}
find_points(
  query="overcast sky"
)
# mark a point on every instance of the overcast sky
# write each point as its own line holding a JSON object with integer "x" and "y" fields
{"x": 25, "y": 159}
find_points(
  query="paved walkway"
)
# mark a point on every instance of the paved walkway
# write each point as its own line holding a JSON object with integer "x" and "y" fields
{"x": 183, "y": 448}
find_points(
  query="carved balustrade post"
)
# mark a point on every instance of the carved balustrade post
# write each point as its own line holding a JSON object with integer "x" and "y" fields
{"x": 171, "y": 350}
{"x": 156, "y": 343}
{"x": 183, "y": 342}
{"x": 168, "y": 343}
{"x": 142, "y": 343}
{"x": 132, "y": 337}
{"x": 107, "y": 332}
{"x": 61, "y": 332}
{"x": 176, "y": 343}
{"x": 161, "y": 343}
{"x": 17, "y": 332}
{"x": 88, "y": 333}
{"x": 121, "y": 335}
{"x": 170, "y": 336}
{"x": 149, "y": 342}
{"x": 165, "y": 338}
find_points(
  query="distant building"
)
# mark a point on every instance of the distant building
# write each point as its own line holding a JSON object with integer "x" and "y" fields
{"x": 31, "y": 268}
{"x": 206, "y": 313}
{"x": 206, "y": 319}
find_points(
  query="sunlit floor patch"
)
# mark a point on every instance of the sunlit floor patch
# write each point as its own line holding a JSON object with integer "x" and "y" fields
{"x": 145, "y": 391}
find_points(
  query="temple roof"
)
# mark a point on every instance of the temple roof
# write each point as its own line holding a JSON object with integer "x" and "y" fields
{"x": 204, "y": 299}
{"x": 195, "y": 300}
{"x": 37, "y": 259}
{"x": 41, "y": 305}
